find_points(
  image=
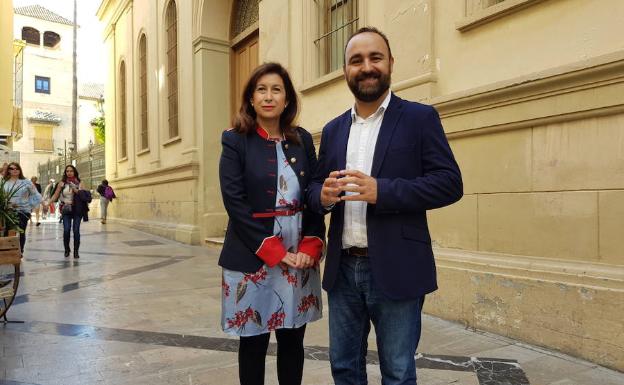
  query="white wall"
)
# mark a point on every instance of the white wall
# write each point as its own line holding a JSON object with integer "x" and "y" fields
{"x": 55, "y": 63}
{"x": 87, "y": 110}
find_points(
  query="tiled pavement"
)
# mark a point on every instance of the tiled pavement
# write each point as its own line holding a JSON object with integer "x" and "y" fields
{"x": 139, "y": 309}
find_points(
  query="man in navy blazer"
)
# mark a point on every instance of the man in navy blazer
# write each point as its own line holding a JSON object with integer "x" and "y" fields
{"x": 382, "y": 165}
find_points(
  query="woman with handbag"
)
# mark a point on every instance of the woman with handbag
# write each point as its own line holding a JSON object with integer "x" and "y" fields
{"x": 66, "y": 192}
{"x": 47, "y": 204}
{"x": 273, "y": 244}
{"x": 36, "y": 209}
{"x": 24, "y": 197}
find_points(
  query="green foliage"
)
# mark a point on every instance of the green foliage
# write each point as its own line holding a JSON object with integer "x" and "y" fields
{"x": 8, "y": 215}
{"x": 99, "y": 128}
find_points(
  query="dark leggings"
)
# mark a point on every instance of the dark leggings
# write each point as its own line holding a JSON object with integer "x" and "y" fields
{"x": 252, "y": 353}
{"x": 24, "y": 217}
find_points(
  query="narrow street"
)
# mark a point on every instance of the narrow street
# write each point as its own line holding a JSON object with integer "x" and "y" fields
{"x": 140, "y": 309}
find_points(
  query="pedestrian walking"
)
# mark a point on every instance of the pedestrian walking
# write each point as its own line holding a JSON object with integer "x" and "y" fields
{"x": 47, "y": 205}
{"x": 36, "y": 209}
{"x": 107, "y": 194}
{"x": 72, "y": 195}
{"x": 25, "y": 197}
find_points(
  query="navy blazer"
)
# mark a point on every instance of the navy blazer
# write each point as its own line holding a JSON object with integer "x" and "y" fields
{"x": 248, "y": 177}
{"x": 415, "y": 171}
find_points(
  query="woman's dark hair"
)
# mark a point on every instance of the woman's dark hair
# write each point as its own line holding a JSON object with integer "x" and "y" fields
{"x": 104, "y": 182}
{"x": 245, "y": 120}
{"x": 7, "y": 174}
{"x": 76, "y": 175}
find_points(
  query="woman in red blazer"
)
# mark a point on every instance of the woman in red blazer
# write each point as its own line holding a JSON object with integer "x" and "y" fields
{"x": 273, "y": 244}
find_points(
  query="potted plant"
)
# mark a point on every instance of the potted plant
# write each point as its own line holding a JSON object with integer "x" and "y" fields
{"x": 10, "y": 256}
{"x": 8, "y": 215}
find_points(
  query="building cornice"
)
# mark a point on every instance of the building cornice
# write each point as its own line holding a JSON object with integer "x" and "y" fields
{"x": 429, "y": 77}
{"x": 103, "y": 8}
{"x": 177, "y": 173}
{"x": 211, "y": 44}
{"x": 516, "y": 103}
{"x": 574, "y": 273}
{"x": 121, "y": 8}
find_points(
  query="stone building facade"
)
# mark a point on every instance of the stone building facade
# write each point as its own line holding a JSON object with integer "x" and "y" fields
{"x": 531, "y": 95}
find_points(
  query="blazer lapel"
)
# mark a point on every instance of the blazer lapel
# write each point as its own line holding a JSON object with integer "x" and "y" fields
{"x": 342, "y": 140}
{"x": 390, "y": 119}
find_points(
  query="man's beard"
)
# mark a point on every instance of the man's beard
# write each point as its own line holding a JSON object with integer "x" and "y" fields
{"x": 369, "y": 93}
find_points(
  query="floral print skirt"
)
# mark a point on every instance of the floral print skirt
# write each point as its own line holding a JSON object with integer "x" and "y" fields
{"x": 271, "y": 298}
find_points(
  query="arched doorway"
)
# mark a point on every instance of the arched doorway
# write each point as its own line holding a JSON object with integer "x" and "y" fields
{"x": 244, "y": 37}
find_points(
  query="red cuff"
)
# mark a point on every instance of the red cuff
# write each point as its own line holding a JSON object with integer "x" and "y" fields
{"x": 313, "y": 246}
{"x": 271, "y": 251}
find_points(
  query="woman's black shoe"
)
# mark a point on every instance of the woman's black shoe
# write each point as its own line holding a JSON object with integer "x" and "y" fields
{"x": 67, "y": 253}
{"x": 76, "y": 255}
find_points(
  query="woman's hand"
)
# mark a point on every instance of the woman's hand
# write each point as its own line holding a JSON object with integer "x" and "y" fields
{"x": 299, "y": 260}
{"x": 304, "y": 261}
{"x": 290, "y": 259}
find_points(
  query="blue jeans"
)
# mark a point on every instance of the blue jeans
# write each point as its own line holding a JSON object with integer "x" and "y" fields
{"x": 70, "y": 222}
{"x": 355, "y": 302}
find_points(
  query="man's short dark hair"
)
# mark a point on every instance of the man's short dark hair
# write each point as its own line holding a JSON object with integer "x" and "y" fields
{"x": 371, "y": 30}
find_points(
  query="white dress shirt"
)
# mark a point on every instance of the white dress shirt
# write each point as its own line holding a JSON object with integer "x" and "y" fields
{"x": 360, "y": 151}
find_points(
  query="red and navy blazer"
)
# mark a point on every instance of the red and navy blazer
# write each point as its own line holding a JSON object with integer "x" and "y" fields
{"x": 248, "y": 177}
